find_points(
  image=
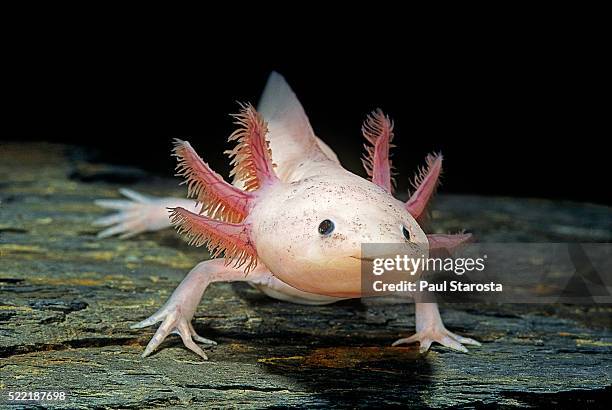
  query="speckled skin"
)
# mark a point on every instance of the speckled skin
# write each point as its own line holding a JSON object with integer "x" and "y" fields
{"x": 327, "y": 265}
{"x": 295, "y": 262}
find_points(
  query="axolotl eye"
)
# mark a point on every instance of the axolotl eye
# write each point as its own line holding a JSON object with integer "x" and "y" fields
{"x": 406, "y": 233}
{"x": 326, "y": 227}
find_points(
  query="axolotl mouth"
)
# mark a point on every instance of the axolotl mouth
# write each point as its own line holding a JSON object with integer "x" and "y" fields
{"x": 364, "y": 259}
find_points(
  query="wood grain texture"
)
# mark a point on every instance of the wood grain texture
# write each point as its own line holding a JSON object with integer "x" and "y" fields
{"x": 67, "y": 299}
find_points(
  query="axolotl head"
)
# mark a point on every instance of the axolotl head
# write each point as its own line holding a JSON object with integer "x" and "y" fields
{"x": 309, "y": 233}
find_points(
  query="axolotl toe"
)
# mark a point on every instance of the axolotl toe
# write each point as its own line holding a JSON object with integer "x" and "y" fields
{"x": 285, "y": 176}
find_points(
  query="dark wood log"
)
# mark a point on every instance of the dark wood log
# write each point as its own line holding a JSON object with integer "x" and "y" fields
{"x": 67, "y": 299}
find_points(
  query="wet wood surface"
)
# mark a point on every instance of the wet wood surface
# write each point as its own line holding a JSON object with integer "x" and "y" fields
{"x": 67, "y": 300}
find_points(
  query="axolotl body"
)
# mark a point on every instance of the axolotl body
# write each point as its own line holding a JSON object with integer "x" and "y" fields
{"x": 293, "y": 221}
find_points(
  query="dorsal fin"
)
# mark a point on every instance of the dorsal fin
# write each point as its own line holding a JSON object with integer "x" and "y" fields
{"x": 282, "y": 110}
{"x": 290, "y": 133}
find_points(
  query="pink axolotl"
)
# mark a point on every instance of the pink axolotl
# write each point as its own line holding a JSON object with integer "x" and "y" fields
{"x": 293, "y": 222}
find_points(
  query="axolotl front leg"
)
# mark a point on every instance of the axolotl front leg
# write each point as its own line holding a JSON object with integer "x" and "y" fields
{"x": 378, "y": 131}
{"x": 430, "y": 328}
{"x": 176, "y": 314}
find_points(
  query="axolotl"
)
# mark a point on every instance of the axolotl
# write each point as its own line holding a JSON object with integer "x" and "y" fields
{"x": 292, "y": 223}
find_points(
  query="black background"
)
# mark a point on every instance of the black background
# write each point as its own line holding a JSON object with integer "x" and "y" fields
{"x": 513, "y": 117}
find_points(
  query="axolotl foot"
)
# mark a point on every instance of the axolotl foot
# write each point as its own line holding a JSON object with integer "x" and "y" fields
{"x": 430, "y": 329}
{"x": 138, "y": 213}
{"x": 440, "y": 335}
{"x": 177, "y": 313}
{"x": 173, "y": 321}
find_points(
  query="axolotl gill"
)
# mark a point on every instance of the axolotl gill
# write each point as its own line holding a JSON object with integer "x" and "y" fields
{"x": 292, "y": 223}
